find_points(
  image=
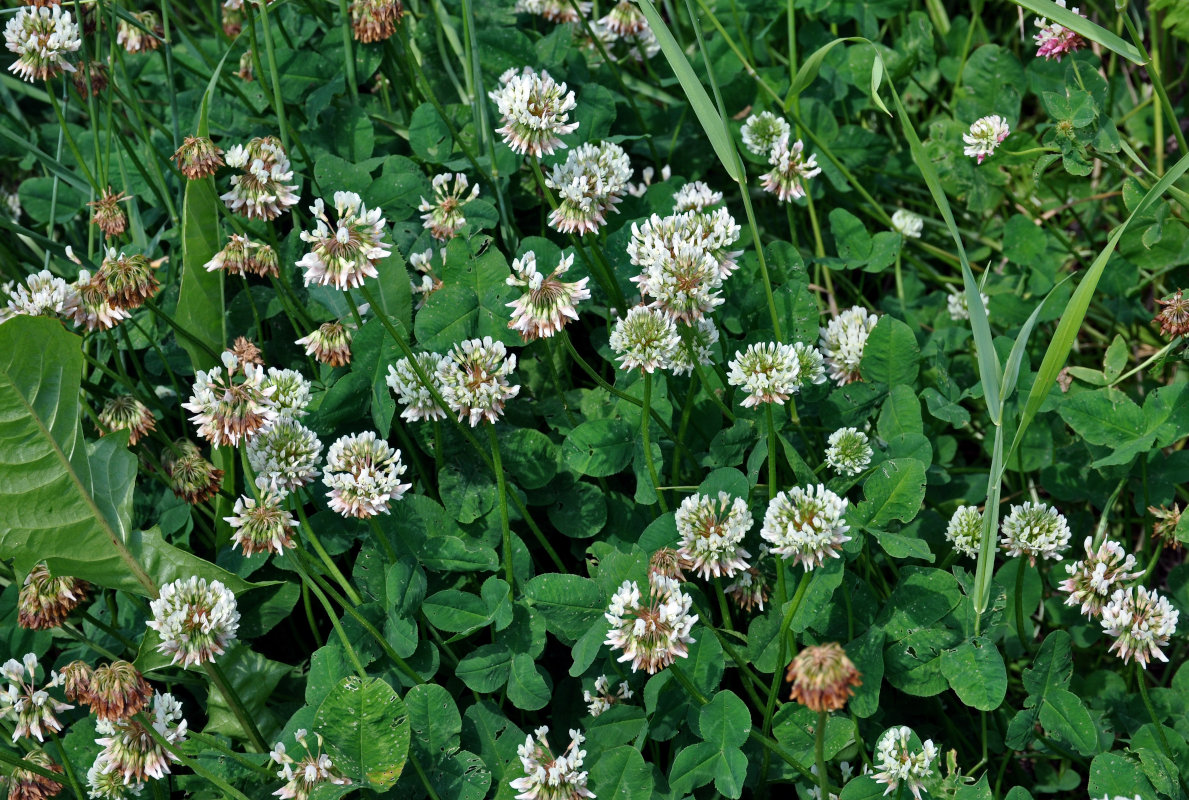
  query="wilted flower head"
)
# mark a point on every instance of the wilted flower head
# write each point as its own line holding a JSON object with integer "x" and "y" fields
{"x": 843, "y": 341}
{"x": 602, "y": 698}
{"x": 589, "y": 184}
{"x": 548, "y": 776}
{"x": 749, "y": 589}
{"x": 24, "y": 784}
{"x": 1165, "y": 527}
{"x": 303, "y": 776}
{"x": 362, "y": 473}
{"x": 896, "y": 762}
{"x": 697, "y": 339}
{"x": 90, "y": 79}
{"x": 262, "y": 190}
{"x": 646, "y": 339}
{"x": 75, "y": 679}
{"x": 1095, "y": 579}
{"x": 965, "y": 530}
{"x": 762, "y": 131}
{"x": 651, "y": 631}
{"x": 41, "y": 37}
{"x": 534, "y": 110}
{"x": 108, "y": 216}
{"x": 246, "y": 352}
{"x": 1141, "y": 622}
{"x": 695, "y": 196}
{"x": 907, "y": 224}
{"x": 128, "y": 749}
{"x": 475, "y": 381}
{"x": 196, "y": 620}
{"x": 116, "y": 691}
{"x": 556, "y": 11}
{"x": 848, "y": 452}
{"x": 127, "y": 280}
{"x": 417, "y": 399}
{"x": 286, "y": 452}
{"x": 790, "y": 169}
{"x": 443, "y": 217}
{"x": 291, "y": 392}
{"x": 241, "y": 255}
{"x": 262, "y": 525}
{"x": 198, "y": 157}
{"x": 624, "y": 33}
{"x": 191, "y": 477}
{"x": 44, "y": 294}
{"x": 330, "y": 344}
{"x": 226, "y": 409}
{"x": 1054, "y": 40}
{"x": 666, "y": 562}
{"x": 45, "y": 600}
{"x": 375, "y": 20}
{"x": 959, "y": 307}
{"x": 95, "y": 310}
{"x": 246, "y": 72}
{"x": 712, "y": 531}
{"x": 768, "y": 371}
{"x": 822, "y": 677}
{"x": 548, "y": 303}
{"x": 142, "y": 36}
{"x": 1174, "y": 315}
{"x": 32, "y": 710}
{"x": 806, "y": 525}
{"x": 985, "y": 135}
{"x": 1034, "y": 529}
{"x": 345, "y": 251}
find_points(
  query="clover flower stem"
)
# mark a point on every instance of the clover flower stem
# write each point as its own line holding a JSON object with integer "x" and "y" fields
{"x": 714, "y": 398}
{"x": 772, "y": 472}
{"x": 348, "y": 51}
{"x": 179, "y": 330}
{"x": 433, "y": 795}
{"x": 778, "y": 675}
{"x": 382, "y": 540}
{"x": 646, "y": 435}
{"x": 502, "y": 487}
{"x": 819, "y": 750}
{"x": 67, "y": 767}
{"x": 275, "y": 74}
{"x": 78, "y": 156}
{"x": 211, "y": 741}
{"x": 723, "y": 608}
{"x": 232, "y": 698}
{"x": 82, "y": 638}
{"x": 331, "y": 567}
{"x": 1157, "y": 84}
{"x": 195, "y": 767}
{"x": 550, "y": 352}
{"x": 1141, "y": 681}
{"x": 13, "y": 760}
{"x": 309, "y": 609}
{"x": 899, "y": 282}
{"x": 755, "y": 241}
{"x": 1020, "y": 603}
{"x": 110, "y": 630}
{"x": 344, "y": 640}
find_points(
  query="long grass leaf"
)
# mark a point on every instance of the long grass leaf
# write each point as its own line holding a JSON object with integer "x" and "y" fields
{"x": 1082, "y": 26}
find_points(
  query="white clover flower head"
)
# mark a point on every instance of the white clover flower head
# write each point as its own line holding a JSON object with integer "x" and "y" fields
{"x": 262, "y": 189}
{"x": 196, "y": 620}
{"x": 41, "y": 36}
{"x": 128, "y": 749}
{"x": 32, "y": 709}
{"x": 344, "y": 252}
{"x": 965, "y": 530}
{"x": 1034, "y": 529}
{"x": 602, "y": 698}
{"x": 651, "y": 631}
{"x": 768, "y": 371}
{"x": 806, "y": 525}
{"x": 749, "y": 590}
{"x": 695, "y": 196}
{"x": 625, "y": 20}
{"x": 697, "y": 339}
{"x": 959, "y": 307}
{"x": 907, "y": 224}
{"x": 411, "y": 393}
{"x": 95, "y": 310}
{"x": 548, "y": 303}
{"x": 812, "y": 364}
{"x": 142, "y": 37}
{"x": 1094, "y": 579}
{"x": 986, "y": 134}
{"x": 109, "y": 784}
{"x": 443, "y": 217}
{"x": 44, "y": 294}
{"x": 303, "y": 776}
{"x": 291, "y": 392}
{"x": 843, "y": 340}
{"x": 362, "y": 473}
{"x": 762, "y": 131}
{"x": 475, "y": 380}
{"x": 646, "y": 176}
{"x": 790, "y": 169}
{"x": 559, "y": 12}
{"x": 896, "y": 762}
{"x": 712, "y": 530}
{"x": 226, "y": 409}
{"x": 645, "y": 339}
{"x": 1141, "y": 622}
{"x": 848, "y": 451}
{"x": 589, "y": 184}
{"x": 287, "y": 453}
{"x": 625, "y": 35}
{"x": 548, "y": 776}
{"x": 262, "y": 525}
{"x": 330, "y": 343}
{"x": 683, "y": 260}
{"x": 1053, "y": 40}
{"x": 534, "y": 110}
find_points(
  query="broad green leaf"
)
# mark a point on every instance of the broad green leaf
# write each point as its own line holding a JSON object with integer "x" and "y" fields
{"x": 921, "y": 597}
{"x": 704, "y": 762}
{"x": 1052, "y": 668}
{"x": 862, "y": 787}
{"x": 366, "y": 728}
{"x": 622, "y": 774}
{"x": 976, "y": 672}
{"x": 456, "y": 612}
{"x": 462, "y": 776}
{"x": 894, "y": 490}
{"x": 434, "y": 720}
{"x": 891, "y": 355}
{"x": 486, "y": 668}
{"x": 1115, "y": 775}
{"x": 725, "y": 721}
{"x": 1065, "y": 718}
{"x": 528, "y": 687}
{"x": 600, "y": 447}
{"x": 200, "y": 309}
{"x": 1103, "y": 416}
{"x": 253, "y": 678}
{"x": 570, "y": 603}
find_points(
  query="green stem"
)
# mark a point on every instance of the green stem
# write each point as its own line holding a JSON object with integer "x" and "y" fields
{"x": 646, "y": 435}
{"x": 67, "y": 767}
{"x": 334, "y": 620}
{"x": 232, "y": 698}
{"x": 1157, "y": 82}
{"x": 348, "y": 51}
{"x": 778, "y": 675}
{"x": 228, "y": 790}
{"x": 1141, "y": 680}
{"x": 819, "y": 751}
{"x": 212, "y": 741}
{"x": 382, "y": 540}
{"x": 772, "y": 462}
{"x": 331, "y": 567}
{"x": 275, "y": 75}
{"x": 505, "y": 528}
{"x": 1020, "y": 603}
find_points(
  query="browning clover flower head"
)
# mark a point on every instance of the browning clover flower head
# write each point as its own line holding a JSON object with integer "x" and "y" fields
{"x": 127, "y": 280}
{"x": 848, "y": 452}
{"x": 1165, "y": 527}
{"x": 589, "y": 184}
{"x": 548, "y": 302}
{"x": 762, "y": 131}
{"x": 45, "y": 601}
{"x": 645, "y": 339}
{"x": 667, "y": 562}
{"x": 1054, "y": 40}
{"x": 534, "y": 110}
{"x": 603, "y": 698}
{"x": 330, "y": 344}
{"x": 362, "y": 473}
{"x": 1141, "y": 622}
{"x": 375, "y": 20}
{"x": 125, "y": 413}
{"x": 227, "y": 410}
{"x": 344, "y": 252}
{"x": 117, "y": 691}
{"x": 195, "y": 620}
{"x": 41, "y": 37}
{"x": 965, "y": 530}
{"x": 559, "y": 12}
{"x": 76, "y": 680}
{"x": 32, "y": 709}
{"x": 232, "y": 19}
{"x": 443, "y": 217}
{"x": 768, "y": 371}
{"x": 94, "y": 310}
{"x": 128, "y": 749}
{"x": 198, "y": 157}
{"x": 1034, "y": 529}
{"x": 1173, "y": 317}
{"x": 651, "y": 631}
{"x": 625, "y": 20}
{"x": 986, "y": 134}
{"x": 191, "y": 477}
{"x": 843, "y": 340}
{"x": 302, "y": 777}
{"x": 25, "y": 784}
{"x": 417, "y": 399}
{"x": 548, "y": 776}
{"x": 790, "y": 169}
{"x": 1095, "y": 579}
{"x": 262, "y": 190}
{"x": 823, "y": 677}
{"x": 712, "y": 530}
{"x": 262, "y": 525}
{"x": 806, "y": 525}
{"x": 245, "y": 351}
{"x": 287, "y": 453}
{"x": 246, "y": 72}
{"x": 143, "y": 37}
{"x": 108, "y": 215}
{"x": 475, "y": 384}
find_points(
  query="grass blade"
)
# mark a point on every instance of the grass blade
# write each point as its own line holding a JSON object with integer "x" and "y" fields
{"x": 1080, "y": 25}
